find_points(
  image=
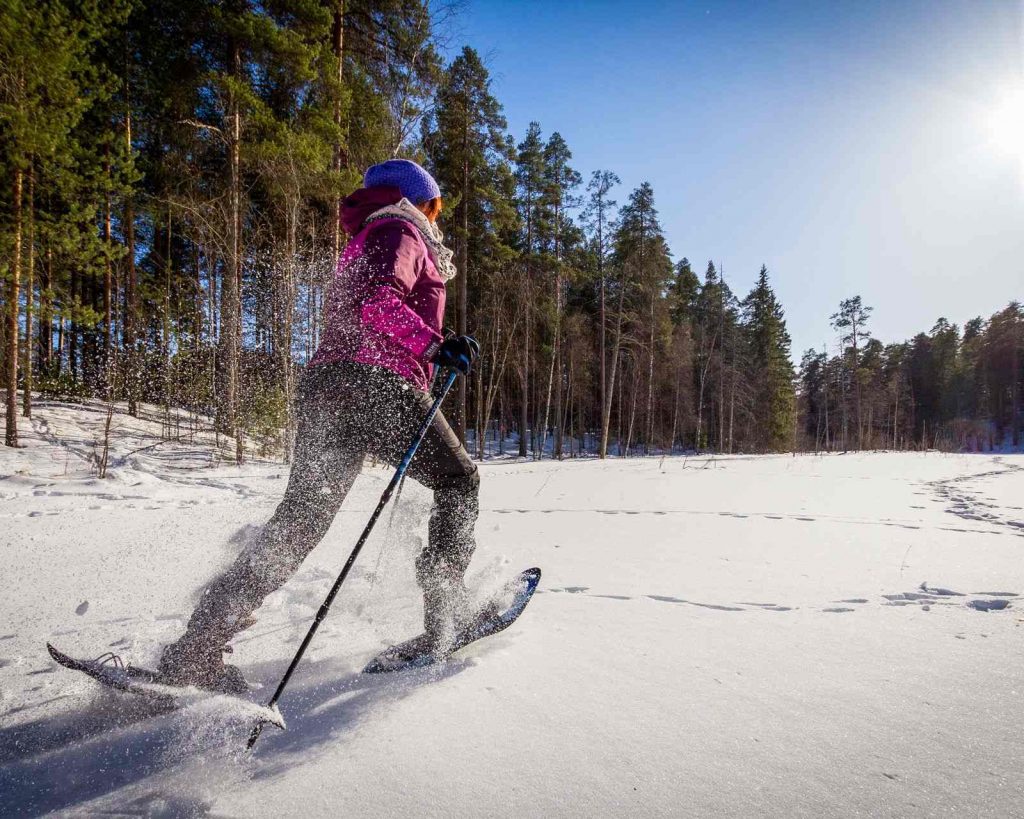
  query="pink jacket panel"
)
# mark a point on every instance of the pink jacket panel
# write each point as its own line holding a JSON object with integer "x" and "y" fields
{"x": 386, "y": 303}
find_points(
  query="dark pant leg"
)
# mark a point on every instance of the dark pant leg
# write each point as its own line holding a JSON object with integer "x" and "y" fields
{"x": 441, "y": 464}
{"x": 329, "y": 453}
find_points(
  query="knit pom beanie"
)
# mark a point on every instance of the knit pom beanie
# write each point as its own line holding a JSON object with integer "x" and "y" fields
{"x": 416, "y": 184}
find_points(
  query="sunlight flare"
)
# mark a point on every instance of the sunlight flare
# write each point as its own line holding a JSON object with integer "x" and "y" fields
{"x": 1006, "y": 123}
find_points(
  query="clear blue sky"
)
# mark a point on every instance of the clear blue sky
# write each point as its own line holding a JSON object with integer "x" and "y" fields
{"x": 863, "y": 147}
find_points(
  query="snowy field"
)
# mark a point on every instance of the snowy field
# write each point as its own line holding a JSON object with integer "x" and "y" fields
{"x": 784, "y": 636}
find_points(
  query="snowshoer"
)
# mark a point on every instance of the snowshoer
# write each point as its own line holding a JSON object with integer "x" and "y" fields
{"x": 364, "y": 391}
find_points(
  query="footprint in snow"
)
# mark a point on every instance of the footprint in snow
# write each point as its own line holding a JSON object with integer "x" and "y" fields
{"x": 988, "y": 605}
{"x": 927, "y": 596}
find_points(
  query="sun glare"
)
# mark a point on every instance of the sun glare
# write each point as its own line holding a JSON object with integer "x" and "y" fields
{"x": 1006, "y": 122}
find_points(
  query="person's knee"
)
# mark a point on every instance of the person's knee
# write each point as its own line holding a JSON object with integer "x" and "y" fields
{"x": 471, "y": 483}
{"x": 308, "y": 513}
{"x": 461, "y": 486}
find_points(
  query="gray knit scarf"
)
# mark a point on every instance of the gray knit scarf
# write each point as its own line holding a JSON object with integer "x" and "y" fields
{"x": 431, "y": 233}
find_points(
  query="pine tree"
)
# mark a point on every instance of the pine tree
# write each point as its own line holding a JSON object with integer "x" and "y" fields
{"x": 529, "y": 174}
{"x": 707, "y": 329}
{"x": 769, "y": 369}
{"x": 45, "y": 88}
{"x": 851, "y": 320}
{"x": 600, "y": 219}
{"x": 642, "y": 258}
{"x": 560, "y": 183}
{"x": 463, "y": 139}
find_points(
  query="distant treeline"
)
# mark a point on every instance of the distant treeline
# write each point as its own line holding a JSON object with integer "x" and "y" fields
{"x": 946, "y": 388}
{"x": 169, "y": 227}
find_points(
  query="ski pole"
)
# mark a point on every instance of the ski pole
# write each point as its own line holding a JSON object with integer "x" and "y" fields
{"x": 403, "y": 465}
{"x": 398, "y": 494}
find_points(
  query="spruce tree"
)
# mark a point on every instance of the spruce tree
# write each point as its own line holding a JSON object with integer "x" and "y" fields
{"x": 770, "y": 371}
{"x": 642, "y": 258}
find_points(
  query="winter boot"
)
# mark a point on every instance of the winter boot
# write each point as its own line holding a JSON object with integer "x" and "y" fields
{"x": 444, "y": 605}
{"x": 200, "y": 662}
{"x": 449, "y": 610}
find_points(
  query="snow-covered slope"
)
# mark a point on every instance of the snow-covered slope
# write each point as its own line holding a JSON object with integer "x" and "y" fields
{"x": 730, "y": 636}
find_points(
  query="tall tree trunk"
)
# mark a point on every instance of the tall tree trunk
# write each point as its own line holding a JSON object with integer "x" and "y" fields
{"x": 675, "y": 412}
{"x": 285, "y": 307}
{"x": 1015, "y": 379}
{"x": 26, "y": 407}
{"x": 46, "y": 312}
{"x": 108, "y": 291}
{"x": 131, "y": 317}
{"x": 650, "y": 384}
{"x": 556, "y": 372}
{"x": 462, "y": 281}
{"x": 338, "y": 159}
{"x": 61, "y": 336}
{"x": 230, "y": 315}
{"x": 164, "y": 259}
{"x": 131, "y": 357}
{"x": 524, "y": 374}
{"x": 632, "y": 408}
{"x": 619, "y": 417}
{"x": 547, "y": 406}
{"x": 856, "y": 390}
{"x": 198, "y": 305}
{"x": 843, "y": 402}
{"x": 732, "y": 399}
{"x": 11, "y": 433}
{"x": 602, "y": 454}
{"x": 616, "y": 346}
{"x": 702, "y": 380}
{"x": 556, "y": 349}
{"x": 74, "y": 291}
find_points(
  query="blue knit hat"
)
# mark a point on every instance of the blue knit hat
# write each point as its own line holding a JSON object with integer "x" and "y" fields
{"x": 416, "y": 184}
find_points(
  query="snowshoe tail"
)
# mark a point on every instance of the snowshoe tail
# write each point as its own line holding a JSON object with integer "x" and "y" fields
{"x": 420, "y": 651}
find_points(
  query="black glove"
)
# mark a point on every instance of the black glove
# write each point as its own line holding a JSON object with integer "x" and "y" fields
{"x": 457, "y": 353}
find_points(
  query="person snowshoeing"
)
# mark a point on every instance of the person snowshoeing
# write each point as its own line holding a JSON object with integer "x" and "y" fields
{"x": 365, "y": 391}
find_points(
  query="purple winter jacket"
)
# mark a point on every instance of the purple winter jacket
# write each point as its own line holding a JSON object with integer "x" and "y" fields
{"x": 386, "y": 303}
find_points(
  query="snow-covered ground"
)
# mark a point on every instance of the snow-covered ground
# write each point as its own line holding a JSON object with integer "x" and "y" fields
{"x": 786, "y": 636}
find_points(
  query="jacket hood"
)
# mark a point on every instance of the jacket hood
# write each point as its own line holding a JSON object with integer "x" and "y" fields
{"x": 357, "y": 207}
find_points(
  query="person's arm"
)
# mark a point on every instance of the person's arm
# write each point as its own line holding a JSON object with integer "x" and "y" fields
{"x": 395, "y": 257}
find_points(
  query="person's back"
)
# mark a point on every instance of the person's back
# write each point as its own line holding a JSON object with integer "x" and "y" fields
{"x": 386, "y": 304}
